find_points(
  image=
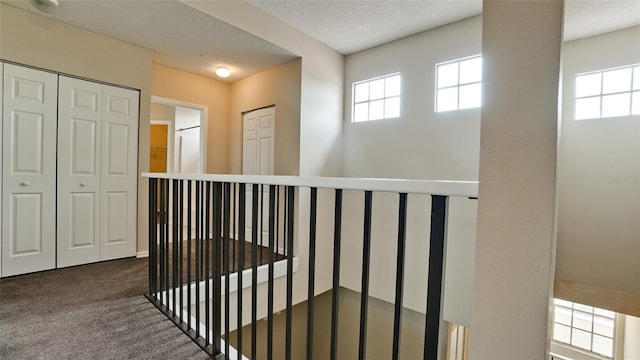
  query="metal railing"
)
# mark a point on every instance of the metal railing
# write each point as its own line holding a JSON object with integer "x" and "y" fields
{"x": 201, "y": 225}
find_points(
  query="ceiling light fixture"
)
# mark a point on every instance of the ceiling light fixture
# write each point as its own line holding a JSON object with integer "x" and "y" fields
{"x": 47, "y": 6}
{"x": 223, "y": 71}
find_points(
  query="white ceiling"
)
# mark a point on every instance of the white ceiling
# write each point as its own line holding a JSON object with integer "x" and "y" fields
{"x": 185, "y": 38}
{"x": 355, "y": 25}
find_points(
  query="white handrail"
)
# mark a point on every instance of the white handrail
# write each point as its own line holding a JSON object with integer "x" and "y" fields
{"x": 430, "y": 187}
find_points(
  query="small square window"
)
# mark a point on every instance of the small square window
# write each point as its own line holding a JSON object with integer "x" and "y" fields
{"x": 376, "y": 99}
{"x": 459, "y": 84}
{"x": 585, "y": 327}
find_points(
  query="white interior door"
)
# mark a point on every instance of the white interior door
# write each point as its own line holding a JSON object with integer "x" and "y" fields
{"x": 188, "y": 151}
{"x": 258, "y": 159}
{"x": 119, "y": 163}
{"x": 28, "y": 170}
{"x": 79, "y": 137}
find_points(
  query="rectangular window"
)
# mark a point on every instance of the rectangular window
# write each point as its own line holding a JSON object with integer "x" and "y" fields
{"x": 584, "y": 327}
{"x": 608, "y": 93}
{"x": 459, "y": 84}
{"x": 376, "y": 99}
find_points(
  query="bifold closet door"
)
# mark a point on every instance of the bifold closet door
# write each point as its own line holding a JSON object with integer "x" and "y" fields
{"x": 97, "y": 141}
{"x": 28, "y": 170}
{"x": 119, "y": 176}
{"x": 79, "y": 147}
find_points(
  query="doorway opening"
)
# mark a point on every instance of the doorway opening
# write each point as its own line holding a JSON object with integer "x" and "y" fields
{"x": 178, "y": 136}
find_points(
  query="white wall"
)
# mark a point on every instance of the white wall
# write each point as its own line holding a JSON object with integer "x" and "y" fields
{"x": 599, "y": 178}
{"x": 420, "y": 144}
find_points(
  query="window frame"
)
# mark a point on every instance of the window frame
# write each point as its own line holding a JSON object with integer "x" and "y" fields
{"x": 458, "y": 85}
{"x": 384, "y": 98}
{"x": 568, "y": 350}
{"x": 601, "y": 95}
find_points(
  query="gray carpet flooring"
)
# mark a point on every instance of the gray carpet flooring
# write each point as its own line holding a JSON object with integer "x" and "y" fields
{"x": 94, "y": 311}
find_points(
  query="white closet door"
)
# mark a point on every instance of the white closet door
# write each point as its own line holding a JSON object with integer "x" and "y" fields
{"x": 79, "y": 137}
{"x": 258, "y": 159}
{"x": 119, "y": 172}
{"x": 28, "y": 170}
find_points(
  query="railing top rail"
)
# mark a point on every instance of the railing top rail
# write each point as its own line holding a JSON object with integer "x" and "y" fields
{"x": 430, "y": 187}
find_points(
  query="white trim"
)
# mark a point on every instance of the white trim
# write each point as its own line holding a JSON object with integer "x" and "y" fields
{"x": 433, "y": 187}
{"x": 279, "y": 270}
{"x": 233, "y": 352}
{"x": 142, "y": 254}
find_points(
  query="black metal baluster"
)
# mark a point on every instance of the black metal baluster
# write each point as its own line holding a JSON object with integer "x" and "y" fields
{"x": 198, "y": 248}
{"x": 289, "y": 253}
{"x": 165, "y": 236}
{"x": 242, "y": 204}
{"x": 337, "y": 237}
{"x": 233, "y": 226}
{"x": 437, "y": 243}
{"x": 261, "y": 232}
{"x": 254, "y": 270}
{"x": 180, "y": 226}
{"x": 174, "y": 239}
{"x": 272, "y": 209}
{"x": 402, "y": 227}
{"x": 217, "y": 267}
{"x": 189, "y": 239}
{"x": 207, "y": 255}
{"x": 277, "y": 220}
{"x": 226, "y": 238}
{"x": 312, "y": 271}
{"x": 366, "y": 260}
{"x": 153, "y": 236}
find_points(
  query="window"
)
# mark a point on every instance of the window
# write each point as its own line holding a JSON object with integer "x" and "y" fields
{"x": 376, "y": 99}
{"x": 459, "y": 84}
{"x": 584, "y": 327}
{"x": 608, "y": 93}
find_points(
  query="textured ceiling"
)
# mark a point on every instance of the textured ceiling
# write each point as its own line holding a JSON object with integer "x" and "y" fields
{"x": 181, "y": 36}
{"x": 355, "y": 25}
{"x": 584, "y": 18}
{"x": 187, "y": 39}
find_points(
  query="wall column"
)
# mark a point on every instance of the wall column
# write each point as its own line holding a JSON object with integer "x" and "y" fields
{"x": 521, "y": 50}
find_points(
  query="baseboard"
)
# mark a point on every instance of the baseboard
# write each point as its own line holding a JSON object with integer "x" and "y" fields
{"x": 142, "y": 254}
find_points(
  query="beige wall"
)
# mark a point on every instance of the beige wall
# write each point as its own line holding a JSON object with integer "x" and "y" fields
{"x": 35, "y": 40}
{"x": 162, "y": 112}
{"x": 521, "y": 46}
{"x": 183, "y": 86}
{"x": 279, "y": 86}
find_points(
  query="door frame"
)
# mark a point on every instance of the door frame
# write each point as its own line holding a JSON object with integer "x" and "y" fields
{"x": 204, "y": 116}
{"x": 170, "y": 141}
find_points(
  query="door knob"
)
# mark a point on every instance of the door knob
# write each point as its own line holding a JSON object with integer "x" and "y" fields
{"x": 24, "y": 183}
{"x": 83, "y": 184}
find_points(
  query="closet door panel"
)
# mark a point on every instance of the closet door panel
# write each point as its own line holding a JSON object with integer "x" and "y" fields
{"x": 79, "y": 145}
{"x": 28, "y": 170}
{"x": 119, "y": 172}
